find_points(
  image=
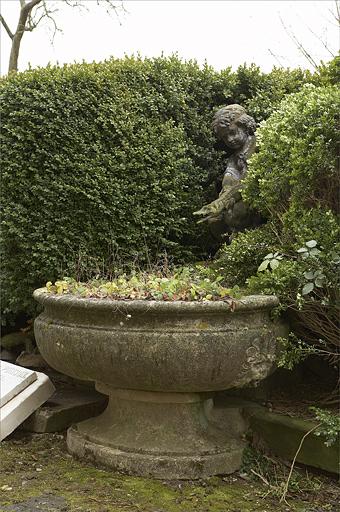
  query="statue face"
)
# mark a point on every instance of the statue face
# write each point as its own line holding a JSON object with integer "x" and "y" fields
{"x": 233, "y": 135}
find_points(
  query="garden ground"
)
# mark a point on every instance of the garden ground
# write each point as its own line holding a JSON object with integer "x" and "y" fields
{"x": 37, "y": 474}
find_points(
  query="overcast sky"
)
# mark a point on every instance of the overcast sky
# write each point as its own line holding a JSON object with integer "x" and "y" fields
{"x": 224, "y": 33}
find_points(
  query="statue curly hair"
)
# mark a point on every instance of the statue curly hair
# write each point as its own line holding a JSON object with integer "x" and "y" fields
{"x": 232, "y": 114}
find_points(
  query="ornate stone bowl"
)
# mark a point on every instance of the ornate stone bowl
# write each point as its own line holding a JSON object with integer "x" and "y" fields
{"x": 160, "y": 363}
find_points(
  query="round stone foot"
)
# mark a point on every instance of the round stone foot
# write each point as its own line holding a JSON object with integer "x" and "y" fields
{"x": 169, "y": 467}
{"x": 160, "y": 435}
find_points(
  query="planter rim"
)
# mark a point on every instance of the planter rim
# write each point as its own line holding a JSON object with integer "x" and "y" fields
{"x": 247, "y": 303}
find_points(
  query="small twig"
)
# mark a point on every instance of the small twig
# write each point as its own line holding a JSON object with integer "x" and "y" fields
{"x": 261, "y": 477}
{"x": 285, "y": 490}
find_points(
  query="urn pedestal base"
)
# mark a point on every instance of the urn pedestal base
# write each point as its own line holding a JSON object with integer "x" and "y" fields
{"x": 162, "y": 435}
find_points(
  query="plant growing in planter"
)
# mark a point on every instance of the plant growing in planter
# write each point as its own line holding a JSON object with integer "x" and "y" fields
{"x": 159, "y": 347}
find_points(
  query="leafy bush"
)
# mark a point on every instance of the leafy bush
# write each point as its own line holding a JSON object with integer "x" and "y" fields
{"x": 329, "y": 425}
{"x": 309, "y": 287}
{"x": 104, "y": 164}
{"x": 296, "y": 166}
{"x": 239, "y": 260}
{"x": 294, "y": 181}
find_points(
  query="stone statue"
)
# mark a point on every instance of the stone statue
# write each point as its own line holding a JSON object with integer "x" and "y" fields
{"x": 228, "y": 213}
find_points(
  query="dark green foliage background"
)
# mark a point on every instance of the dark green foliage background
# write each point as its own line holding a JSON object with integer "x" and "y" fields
{"x": 103, "y": 164}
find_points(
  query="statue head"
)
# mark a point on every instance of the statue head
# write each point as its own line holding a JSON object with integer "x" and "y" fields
{"x": 233, "y": 126}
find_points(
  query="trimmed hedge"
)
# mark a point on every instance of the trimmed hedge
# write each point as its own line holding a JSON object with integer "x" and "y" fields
{"x": 103, "y": 164}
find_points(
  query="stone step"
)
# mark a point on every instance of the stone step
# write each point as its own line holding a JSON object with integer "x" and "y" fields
{"x": 67, "y": 406}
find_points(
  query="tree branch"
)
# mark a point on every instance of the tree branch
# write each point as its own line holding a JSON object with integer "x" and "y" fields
{"x": 42, "y": 12}
{"x": 30, "y": 4}
{"x": 6, "y": 27}
{"x": 112, "y": 6}
{"x": 299, "y": 45}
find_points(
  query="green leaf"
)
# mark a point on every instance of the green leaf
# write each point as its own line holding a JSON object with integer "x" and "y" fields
{"x": 263, "y": 266}
{"x": 274, "y": 264}
{"x": 309, "y": 287}
{"x": 314, "y": 252}
{"x": 319, "y": 282}
{"x": 311, "y": 243}
{"x": 309, "y": 275}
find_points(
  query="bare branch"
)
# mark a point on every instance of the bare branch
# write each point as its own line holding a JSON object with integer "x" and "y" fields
{"x": 276, "y": 58}
{"x": 42, "y": 11}
{"x": 325, "y": 45}
{"x": 30, "y": 18}
{"x": 6, "y": 27}
{"x": 336, "y": 14}
{"x": 112, "y": 6}
{"x": 299, "y": 45}
{"x": 77, "y": 3}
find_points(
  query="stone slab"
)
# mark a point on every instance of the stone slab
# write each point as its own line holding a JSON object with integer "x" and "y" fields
{"x": 282, "y": 434}
{"x": 13, "y": 380}
{"x": 66, "y": 406}
{"x": 16, "y": 410}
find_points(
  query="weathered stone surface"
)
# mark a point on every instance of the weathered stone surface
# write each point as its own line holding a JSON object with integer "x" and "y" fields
{"x": 13, "y": 380}
{"x": 164, "y": 435}
{"x": 65, "y": 407}
{"x": 283, "y": 435}
{"x": 157, "y": 361}
{"x": 228, "y": 213}
{"x": 149, "y": 345}
{"x": 31, "y": 360}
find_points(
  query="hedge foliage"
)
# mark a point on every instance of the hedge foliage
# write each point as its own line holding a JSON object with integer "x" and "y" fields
{"x": 103, "y": 164}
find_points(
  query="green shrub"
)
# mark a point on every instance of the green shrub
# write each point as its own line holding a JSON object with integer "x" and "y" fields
{"x": 294, "y": 181}
{"x": 103, "y": 164}
{"x": 239, "y": 260}
{"x": 296, "y": 165}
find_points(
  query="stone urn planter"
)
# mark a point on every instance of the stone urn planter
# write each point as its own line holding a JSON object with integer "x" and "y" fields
{"x": 160, "y": 363}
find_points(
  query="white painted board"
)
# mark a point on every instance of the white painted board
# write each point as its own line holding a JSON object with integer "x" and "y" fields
{"x": 16, "y": 410}
{"x": 13, "y": 380}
